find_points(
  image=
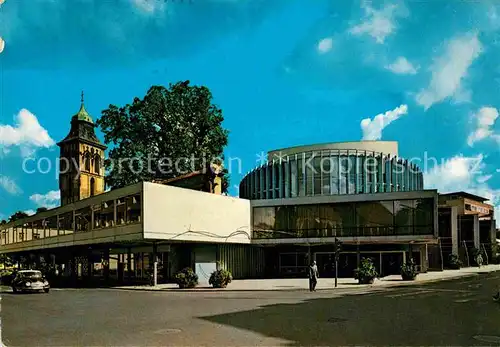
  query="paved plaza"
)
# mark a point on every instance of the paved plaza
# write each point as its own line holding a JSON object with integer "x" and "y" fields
{"x": 452, "y": 312}
{"x": 326, "y": 283}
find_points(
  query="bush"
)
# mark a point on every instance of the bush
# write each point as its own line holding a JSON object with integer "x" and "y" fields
{"x": 454, "y": 261}
{"x": 477, "y": 256}
{"x": 6, "y": 277}
{"x": 186, "y": 278}
{"x": 220, "y": 278}
{"x": 409, "y": 270}
{"x": 366, "y": 273}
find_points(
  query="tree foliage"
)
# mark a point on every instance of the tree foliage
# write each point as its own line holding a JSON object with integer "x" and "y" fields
{"x": 41, "y": 209}
{"x": 18, "y": 215}
{"x": 168, "y": 133}
{"x": 6, "y": 260}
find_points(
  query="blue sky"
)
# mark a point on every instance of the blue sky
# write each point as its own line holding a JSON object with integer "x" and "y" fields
{"x": 285, "y": 73}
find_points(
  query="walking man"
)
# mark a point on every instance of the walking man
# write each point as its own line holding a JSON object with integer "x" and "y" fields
{"x": 313, "y": 276}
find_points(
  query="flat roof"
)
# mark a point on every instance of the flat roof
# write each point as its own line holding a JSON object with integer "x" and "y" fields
{"x": 466, "y": 195}
{"x": 384, "y": 147}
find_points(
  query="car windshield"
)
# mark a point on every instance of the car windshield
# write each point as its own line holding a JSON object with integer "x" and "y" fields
{"x": 31, "y": 274}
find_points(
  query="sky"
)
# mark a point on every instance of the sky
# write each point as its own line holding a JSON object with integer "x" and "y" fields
{"x": 284, "y": 72}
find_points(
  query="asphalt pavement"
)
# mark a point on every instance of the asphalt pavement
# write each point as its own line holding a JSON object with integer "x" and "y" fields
{"x": 459, "y": 312}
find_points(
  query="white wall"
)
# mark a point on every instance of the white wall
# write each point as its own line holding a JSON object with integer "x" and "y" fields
{"x": 172, "y": 213}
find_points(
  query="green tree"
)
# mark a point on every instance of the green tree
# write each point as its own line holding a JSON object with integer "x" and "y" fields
{"x": 6, "y": 260}
{"x": 3, "y": 222}
{"x": 18, "y": 215}
{"x": 41, "y": 209}
{"x": 168, "y": 133}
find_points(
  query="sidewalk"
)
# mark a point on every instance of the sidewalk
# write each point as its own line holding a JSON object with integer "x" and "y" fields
{"x": 323, "y": 284}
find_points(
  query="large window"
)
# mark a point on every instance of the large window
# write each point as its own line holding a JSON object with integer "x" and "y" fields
{"x": 326, "y": 168}
{"x": 404, "y": 211}
{"x": 134, "y": 209}
{"x": 424, "y": 216}
{"x": 38, "y": 229}
{"x": 51, "y": 226}
{"x": 107, "y": 214}
{"x": 264, "y": 221}
{"x": 317, "y": 174}
{"x": 377, "y": 218}
{"x": 83, "y": 219}
{"x": 301, "y": 176}
{"x": 66, "y": 223}
{"x": 121, "y": 211}
{"x": 351, "y": 173}
{"x": 293, "y": 178}
{"x": 343, "y": 172}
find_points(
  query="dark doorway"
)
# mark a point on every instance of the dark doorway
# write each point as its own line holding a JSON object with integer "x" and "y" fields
{"x": 391, "y": 263}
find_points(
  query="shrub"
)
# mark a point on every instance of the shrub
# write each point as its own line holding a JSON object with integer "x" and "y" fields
{"x": 220, "y": 278}
{"x": 6, "y": 277}
{"x": 454, "y": 261}
{"x": 366, "y": 273}
{"x": 186, "y": 278}
{"x": 409, "y": 270}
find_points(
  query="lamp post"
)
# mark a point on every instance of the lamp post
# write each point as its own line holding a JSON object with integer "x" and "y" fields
{"x": 338, "y": 247}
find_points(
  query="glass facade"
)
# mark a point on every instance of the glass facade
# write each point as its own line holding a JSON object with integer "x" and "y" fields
{"x": 368, "y": 218}
{"x": 331, "y": 172}
{"x": 93, "y": 217}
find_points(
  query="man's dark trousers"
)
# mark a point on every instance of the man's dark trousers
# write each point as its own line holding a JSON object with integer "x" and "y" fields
{"x": 312, "y": 283}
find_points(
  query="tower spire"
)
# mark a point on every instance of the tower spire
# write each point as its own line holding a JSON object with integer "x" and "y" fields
{"x": 82, "y": 97}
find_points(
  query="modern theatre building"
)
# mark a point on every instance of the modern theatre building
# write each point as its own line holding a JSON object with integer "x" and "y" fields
{"x": 290, "y": 211}
{"x": 362, "y": 193}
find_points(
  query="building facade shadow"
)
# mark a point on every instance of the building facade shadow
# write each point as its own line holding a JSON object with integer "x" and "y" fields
{"x": 431, "y": 314}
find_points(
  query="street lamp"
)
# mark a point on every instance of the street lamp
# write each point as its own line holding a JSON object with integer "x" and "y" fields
{"x": 338, "y": 248}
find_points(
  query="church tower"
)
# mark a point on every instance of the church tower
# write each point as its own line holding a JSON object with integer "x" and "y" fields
{"x": 81, "y": 160}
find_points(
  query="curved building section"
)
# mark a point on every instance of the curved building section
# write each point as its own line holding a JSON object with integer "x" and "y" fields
{"x": 332, "y": 169}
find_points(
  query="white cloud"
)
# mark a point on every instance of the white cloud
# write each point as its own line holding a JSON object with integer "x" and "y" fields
{"x": 49, "y": 200}
{"x": 325, "y": 45}
{"x": 9, "y": 185}
{"x": 372, "y": 129}
{"x": 379, "y": 23}
{"x": 27, "y": 133}
{"x": 402, "y": 66}
{"x": 485, "y": 178}
{"x": 2, "y": 45}
{"x": 461, "y": 173}
{"x": 149, "y": 6}
{"x": 30, "y": 212}
{"x": 449, "y": 70}
{"x": 485, "y": 118}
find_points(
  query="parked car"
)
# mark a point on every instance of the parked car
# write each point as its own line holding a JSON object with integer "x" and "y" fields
{"x": 30, "y": 281}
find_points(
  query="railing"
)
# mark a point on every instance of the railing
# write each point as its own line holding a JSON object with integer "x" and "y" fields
{"x": 343, "y": 232}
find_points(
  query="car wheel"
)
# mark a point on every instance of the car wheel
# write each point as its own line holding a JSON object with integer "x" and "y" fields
{"x": 46, "y": 290}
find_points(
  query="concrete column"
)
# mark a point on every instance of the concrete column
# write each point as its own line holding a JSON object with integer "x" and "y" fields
{"x": 105, "y": 260}
{"x": 454, "y": 230}
{"x": 424, "y": 258}
{"x": 129, "y": 264}
{"x": 155, "y": 264}
{"x": 89, "y": 266}
{"x": 476, "y": 232}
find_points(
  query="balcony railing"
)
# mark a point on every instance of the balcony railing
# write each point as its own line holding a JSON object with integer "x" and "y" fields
{"x": 344, "y": 232}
